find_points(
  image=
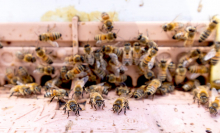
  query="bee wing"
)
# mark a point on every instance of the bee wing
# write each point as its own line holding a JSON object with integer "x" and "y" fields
{"x": 197, "y": 84}
{"x": 113, "y": 56}
{"x": 122, "y": 67}
{"x": 194, "y": 75}
{"x": 81, "y": 74}
{"x": 36, "y": 71}
{"x": 210, "y": 54}
{"x": 169, "y": 77}
{"x": 19, "y": 83}
{"x": 151, "y": 63}
{"x": 100, "y": 84}
{"x": 84, "y": 80}
{"x": 9, "y": 85}
{"x": 53, "y": 43}
{"x": 98, "y": 64}
{"x": 142, "y": 57}
{"x": 214, "y": 94}
{"x": 187, "y": 62}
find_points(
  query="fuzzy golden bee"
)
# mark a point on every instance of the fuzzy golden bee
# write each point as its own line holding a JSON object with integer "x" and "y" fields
{"x": 164, "y": 73}
{"x": 137, "y": 53}
{"x": 172, "y": 25}
{"x": 34, "y": 87}
{"x": 98, "y": 88}
{"x": 43, "y": 56}
{"x": 108, "y": 49}
{"x": 196, "y": 70}
{"x": 122, "y": 91}
{"x": 10, "y": 76}
{"x": 119, "y": 104}
{"x": 78, "y": 87}
{"x": 180, "y": 36}
{"x": 201, "y": 93}
{"x": 99, "y": 63}
{"x": 20, "y": 89}
{"x": 188, "y": 58}
{"x": 50, "y": 37}
{"x": 77, "y": 70}
{"x": 105, "y": 37}
{"x": 189, "y": 85}
{"x": 116, "y": 65}
{"x": 180, "y": 74}
{"x": 107, "y": 21}
{"x": 89, "y": 57}
{"x": 47, "y": 70}
{"x": 117, "y": 79}
{"x": 24, "y": 75}
{"x": 140, "y": 92}
{"x": 72, "y": 60}
{"x": 25, "y": 56}
{"x": 172, "y": 68}
{"x": 212, "y": 25}
{"x": 190, "y": 35}
{"x": 96, "y": 99}
{"x": 165, "y": 88}
{"x": 213, "y": 55}
{"x": 152, "y": 87}
{"x": 72, "y": 105}
{"x": 127, "y": 55}
{"x": 59, "y": 93}
{"x": 214, "y": 104}
{"x": 53, "y": 83}
{"x": 142, "y": 39}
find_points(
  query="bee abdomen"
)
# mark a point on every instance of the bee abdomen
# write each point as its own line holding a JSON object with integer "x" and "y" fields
{"x": 138, "y": 94}
{"x": 19, "y": 55}
{"x": 204, "y": 35}
{"x": 150, "y": 90}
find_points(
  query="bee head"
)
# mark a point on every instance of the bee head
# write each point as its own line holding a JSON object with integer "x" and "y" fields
{"x": 27, "y": 91}
{"x": 87, "y": 48}
{"x": 150, "y": 74}
{"x": 114, "y": 35}
{"x": 165, "y": 27}
{"x": 81, "y": 58}
{"x": 111, "y": 78}
{"x": 174, "y": 37}
{"x": 60, "y": 34}
{"x": 33, "y": 59}
{"x": 212, "y": 110}
{"x": 163, "y": 90}
{"x": 192, "y": 29}
{"x": 116, "y": 108}
{"x": 110, "y": 28}
{"x": 214, "y": 21}
{"x": 38, "y": 48}
{"x": 139, "y": 37}
{"x": 99, "y": 103}
{"x": 204, "y": 99}
{"x": 38, "y": 88}
{"x": 20, "y": 67}
{"x": 105, "y": 91}
{"x": 163, "y": 61}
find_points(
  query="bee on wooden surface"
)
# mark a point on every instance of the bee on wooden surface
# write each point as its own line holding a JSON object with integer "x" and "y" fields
{"x": 98, "y": 88}
{"x": 188, "y": 58}
{"x": 34, "y": 87}
{"x": 78, "y": 87}
{"x": 107, "y": 21}
{"x": 10, "y": 76}
{"x": 89, "y": 57}
{"x": 119, "y": 104}
{"x": 190, "y": 35}
{"x": 47, "y": 70}
{"x": 123, "y": 90}
{"x": 24, "y": 75}
{"x": 172, "y": 25}
{"x": 189, "y": 85}
{"x": 197, "y": 71}
{"x": 72, "y": 60}
{"x": 201, "y": 93}
{"x": 165, "y": 88}
{"x": 59, "y": 93}
{"x": 139, "y": 93}
{"x": 43, "y": 56}
{"x": 214, "y": 104}
{"x": 77, "y": 70}
{"x": 164, "y": 73}
{"x": 142, "y": 39}
{"x": 96, "y": 99}
{"x": 212, "y": 25}
{"x": 137, "y": 53}
{"x": 50, "y": 37}
{"x": 147, "y": 60}
{"x": 72, "y": 105}
{"x": 213, "y": 55}
{"x": 127, "y": 55}
{"x": 105, "y": 37}
{"x": 152, "y": 87}
{"x": 180, "y": 36}
{"x": 20, "y": 89}
{"x": 25, "y": 56}
{"x": 109, "y": 49}
{"x": 117, "y": 79}
{"x": 180, "y": 74}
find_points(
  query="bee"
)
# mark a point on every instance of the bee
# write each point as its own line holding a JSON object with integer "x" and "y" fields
{"x": 34, "y": 87}
{"x": 1, "y": 46}
{"x": 147, "y": 60}
{"x": 165, "y": 88}
{"x": 25, "y": 77}
{"x": 42, "y": 54}
{"x": 108, "y": 49}
{"x": 20, "y": 89}
{"x": 214, "y": 104}
{"x": 72, "y": 105}
{"x": 107, "y": 21}
{"x": 53, "y": 83}
{"x": 99, "y": 61}
{"x": 117, "y": 79}
{"x": 74, "y": 59}
{"x": 98, "y": 88}
{"x": 119, "y": 104}
{"x": 25, "y": 56}
{"x": 101, "y": 73}
{"x": 137, "y": 53}
{"x": 200, "y": 60}
{"x": 59, "y": 93}
{"x": 47, "y": 70}
{"x": 172, "y": 25}
{"x": 10, "y": 76}
{"x": 189, "y": 85}
{"x": 180, "y": 36}
{"x": 142, "y": 39}
{"x": 89, "y": 57}
{"x": 63, "y": 71}
{"x": 127, "y": 55}
{"x": 193, "y": 54}
{"x": 164, "y": 73}
{"x": 116, "y": 65}
{"x": 96, "y": 99}
{"x": 152, "y": 87}
{"x": 78, "y": 86}
{"x": 180, "y": 74}
{"x": 77, "y": 70}
{"x": 190, "y": 35}
{"x": 201, "y": 93}
{"x": 105, "y": 37}
{"x": 50, "y": 38}
{"x": 197, "y": 70}
{"x": 140, "y": 92}
{"x": 149, "y": 74}
{"x": 213, "y": 54}
{"x": 212, "y": 25}
{"x": 122, "y": 90}
{"x": 172, "y": 68}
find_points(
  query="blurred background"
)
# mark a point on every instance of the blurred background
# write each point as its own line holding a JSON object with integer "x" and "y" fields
{"x": 123, "y": 10}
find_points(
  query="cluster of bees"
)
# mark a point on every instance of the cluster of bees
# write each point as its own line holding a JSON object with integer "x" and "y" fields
{"x": 162, "y": 75}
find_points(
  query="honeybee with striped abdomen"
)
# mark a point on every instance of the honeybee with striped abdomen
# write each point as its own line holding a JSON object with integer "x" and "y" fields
{"x": 212, "y": 25}
{"x": 180, "y": 36}
{"x": 10, "y": 76}
{"x": 89, "y": 57}
{"x": 180, "y": 74}
{"x": 214, "y": 104}
{"x": 116, "y": 65}
{"x": 105, "y": 37}
{"x": 137, "y": 53}
{"x": 72, "y": 105}
{"x": 98, "y": 88}
{"x": 152, "y": 87}
{"x": 122, "y": 90}
{"x": 127, "y": 55}
{"x": 99, "y": 63}
{"x": 72, "y": 60}
{"x": 190, "y": 35}
{"x": 188, "y": 58}
{"x": 117, "y": 79}
{"x": 53, "y": 83}
{"x": 78, "y": 86}
{"x": 96, "y": 99}
{"x": 108, "y": 49}
{"x": 77, "y": 70}
{"x": 140, "y": 92}
{"x": 172, "y": 25}
{"x": 24, "y": 75}
{"x": 213, "y": 54}
{"x": 59, "y": 93}
{"x": 119, "y": 104}
{"x": 107, "y": 21}
{"x": 189, "y": 85}
{"x": 164, "y": 73}
{"x": 50, "y": 37}
{"x": 47, "y": 70}
{"x": 165, "y": 88}
{"x": 20, "y": 89}
{"x": 34, "y": 87}
{"x": 43, "y": 56}
{"x": 25, "y": 56}
{"x": 197, "y": 70}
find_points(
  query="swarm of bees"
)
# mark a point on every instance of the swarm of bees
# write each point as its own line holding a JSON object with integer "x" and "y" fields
{"x": 162, "y": 74}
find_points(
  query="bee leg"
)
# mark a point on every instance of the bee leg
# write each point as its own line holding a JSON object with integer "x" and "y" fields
{"x": 52, "y": 99}
{"x": 103, "y": 106}
{"x": 64, "y": 110}
{"x": 125, "y": 110}
{"x": 95, "y": 107}
{"x": 194, "y": 98}
{"x": 78, "y": 112}
{"x": 152, "y": 97}
{"x": 68, "y": 112}
{"x": 198, "y": 103}
{"x": 119, "y": 112}
{"x": 11, "y": 94}
{"x": 82, "y": 95}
